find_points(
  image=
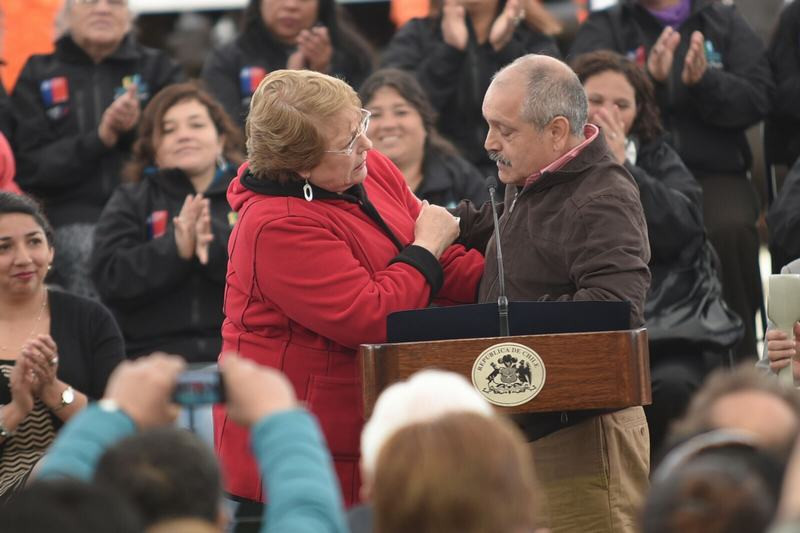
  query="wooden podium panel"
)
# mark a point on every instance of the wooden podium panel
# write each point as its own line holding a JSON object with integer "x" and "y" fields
{"x": 603, "y": 370}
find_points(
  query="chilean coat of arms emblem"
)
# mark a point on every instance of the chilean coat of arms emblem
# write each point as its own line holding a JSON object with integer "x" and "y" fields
{"x": 508, "y": 374}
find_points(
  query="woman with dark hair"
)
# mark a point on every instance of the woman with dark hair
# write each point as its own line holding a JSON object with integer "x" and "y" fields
{"x": 455, "y": 52}
{"x": 161, "y": 244}
{"x": 688, "y": 323}
{"x": 56, "y": 349}
{"x": 286, "y": 34}
{"x": 402, "y": 126}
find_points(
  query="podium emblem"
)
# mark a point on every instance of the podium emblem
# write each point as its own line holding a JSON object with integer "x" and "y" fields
{"x": 508, "y": 374}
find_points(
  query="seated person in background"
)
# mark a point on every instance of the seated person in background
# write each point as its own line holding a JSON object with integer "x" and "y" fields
{"x": 76, "y": 110}
{"x": 712, "y": 82}
{"x": 459, "y": 473}
{"x": 716, "y": 482}
{"x": 56, "y": 349}
{"x": 454, "y": 54}
{"x": 689, "y": 326}
{"x": 292, "y": 457}
{"x": 280, "y": 34}
{"x": 743, "y": 400}
{"x": 402, "y": 126}
{"x": 69, "y": 506}
{"x": 162, "y": 241}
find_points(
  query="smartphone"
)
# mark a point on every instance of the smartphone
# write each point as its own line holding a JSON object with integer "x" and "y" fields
{"x": 199, "y": 386}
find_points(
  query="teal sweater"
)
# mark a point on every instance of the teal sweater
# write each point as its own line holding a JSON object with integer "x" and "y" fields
{"x": 294, "y": 463}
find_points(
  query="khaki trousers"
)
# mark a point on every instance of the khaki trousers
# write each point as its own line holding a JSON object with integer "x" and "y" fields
{"x": 594, "y": 474}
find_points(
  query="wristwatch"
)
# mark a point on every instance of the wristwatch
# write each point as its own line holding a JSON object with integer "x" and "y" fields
{"x": 67, "y": 397}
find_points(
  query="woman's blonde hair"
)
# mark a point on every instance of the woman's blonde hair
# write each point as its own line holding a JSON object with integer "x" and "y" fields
{"x": 284, "y": 134}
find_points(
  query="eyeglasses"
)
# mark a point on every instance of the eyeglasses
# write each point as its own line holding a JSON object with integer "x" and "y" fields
{"x": 362, "y": 129}
{"x": 115, "y": 3}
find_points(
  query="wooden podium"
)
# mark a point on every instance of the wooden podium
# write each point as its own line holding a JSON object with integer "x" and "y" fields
{"x": 600, "y": 370}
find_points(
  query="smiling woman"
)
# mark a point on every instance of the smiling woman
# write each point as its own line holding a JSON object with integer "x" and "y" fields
{"x": 56, "y": 349}
{"x": 161, "y": 243}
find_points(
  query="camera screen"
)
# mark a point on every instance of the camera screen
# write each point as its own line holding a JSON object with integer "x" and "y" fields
{"x": 198, "y": 388}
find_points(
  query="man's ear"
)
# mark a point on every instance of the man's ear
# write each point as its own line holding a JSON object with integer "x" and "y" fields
{"x": 558, "y": 133}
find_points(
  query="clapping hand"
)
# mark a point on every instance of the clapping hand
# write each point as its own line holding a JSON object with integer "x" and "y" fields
{"x": 121, "y": 116}
{"x": 186, "y": 225}
{"x": 314, "y": 50}
{"x": 203, "y": 233}
{"x": 661, "y": 56}
{"x": 503, "y": 27}
{"x": 454, "y": 24}
{"x": 41, "y": 356}
{"x": 695, "y": 65}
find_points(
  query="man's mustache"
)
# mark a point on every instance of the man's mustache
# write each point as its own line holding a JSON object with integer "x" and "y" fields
{"x": 496, "y": 157}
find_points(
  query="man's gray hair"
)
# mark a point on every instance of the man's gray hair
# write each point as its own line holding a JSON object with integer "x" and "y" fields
{"x": 551, "y": 92}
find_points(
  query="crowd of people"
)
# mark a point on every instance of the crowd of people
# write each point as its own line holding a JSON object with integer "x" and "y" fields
{"x": 271, "y": 215}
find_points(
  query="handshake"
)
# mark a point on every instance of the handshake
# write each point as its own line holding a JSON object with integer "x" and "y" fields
{"x": 147, "y": 389}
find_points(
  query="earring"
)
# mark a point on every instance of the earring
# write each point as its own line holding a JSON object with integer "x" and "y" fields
{"x": 221, "y": 163}
{"x": 308, "y": 192}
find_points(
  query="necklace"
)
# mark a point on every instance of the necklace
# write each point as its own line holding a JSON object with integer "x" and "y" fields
{"x": 4, "y": 348}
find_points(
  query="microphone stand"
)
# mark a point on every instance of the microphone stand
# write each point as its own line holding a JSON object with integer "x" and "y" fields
{"x": 502, "y": 300}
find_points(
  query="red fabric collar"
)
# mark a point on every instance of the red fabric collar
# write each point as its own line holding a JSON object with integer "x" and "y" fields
{"x": 590, "y": 132}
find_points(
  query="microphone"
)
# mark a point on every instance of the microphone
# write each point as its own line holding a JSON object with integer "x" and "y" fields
{"x": 502, "y": 300}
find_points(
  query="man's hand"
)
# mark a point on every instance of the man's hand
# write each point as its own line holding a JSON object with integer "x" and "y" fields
{"x": 143, "y": 389}
{"x": 695, "y": 64}
{"x": 253, "y": 391}
{"x": 661, "y": 56}
{"x": 454, "y": 24}
{"x": 503, "y": 27}
{"x": 121, "y": 116}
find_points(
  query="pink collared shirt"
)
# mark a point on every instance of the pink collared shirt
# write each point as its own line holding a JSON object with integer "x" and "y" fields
{"x": 590, "y": 132}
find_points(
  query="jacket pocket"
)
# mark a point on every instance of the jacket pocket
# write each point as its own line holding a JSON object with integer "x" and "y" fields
{"x": 337, "y": 404}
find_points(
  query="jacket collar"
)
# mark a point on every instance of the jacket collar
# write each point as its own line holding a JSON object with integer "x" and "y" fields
{"x": 294, "y": 189}
{"x": 176, "y": 182}
{"x": 589, "y": 156}
{"x": 69, "y": 50}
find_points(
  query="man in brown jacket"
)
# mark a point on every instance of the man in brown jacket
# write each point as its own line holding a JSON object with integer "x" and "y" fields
{"x": 572, "y": 229}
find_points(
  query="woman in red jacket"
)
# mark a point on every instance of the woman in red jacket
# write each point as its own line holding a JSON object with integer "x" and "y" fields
{"x": 329, "y": 241}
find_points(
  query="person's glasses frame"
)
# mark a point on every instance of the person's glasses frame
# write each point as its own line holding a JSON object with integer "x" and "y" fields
{"x": 362, "y": 129}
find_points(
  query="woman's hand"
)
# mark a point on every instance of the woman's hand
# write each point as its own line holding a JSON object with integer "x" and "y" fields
{"x": 614, "y": 129}
{"x": 435, "y": 229}
{"x": 41, "y": 356}
{"x": 695, "y": 64}
{"x": 185, "y": 225}
{"x": 315, "y": 46}
{"x": 781, "y": 350}
{"x": 503, "y": 27}
{"x": 21, "y": 383}
{"x": 661, "y": 56}
{"x": 203, "y": 234}
{"x": 454, "y": 24}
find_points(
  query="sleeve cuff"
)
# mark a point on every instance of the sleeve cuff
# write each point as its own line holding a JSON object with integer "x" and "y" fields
{"x": 424, "y": 261}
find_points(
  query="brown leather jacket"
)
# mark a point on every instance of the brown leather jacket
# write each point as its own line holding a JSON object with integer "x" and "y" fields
{"x": 575, "y": 234}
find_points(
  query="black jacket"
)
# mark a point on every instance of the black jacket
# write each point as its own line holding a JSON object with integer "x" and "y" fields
{"x": 58, "y": 103}
{"x": 684, "y": 310}
{"x": 456, "y": 80}
{"x": 448, "y": 179}
{"x": 707, "y": 121}
{"x": 161, "y": 301}
{"x": 783, "y": 133}
{"x": 225, "y": 72}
